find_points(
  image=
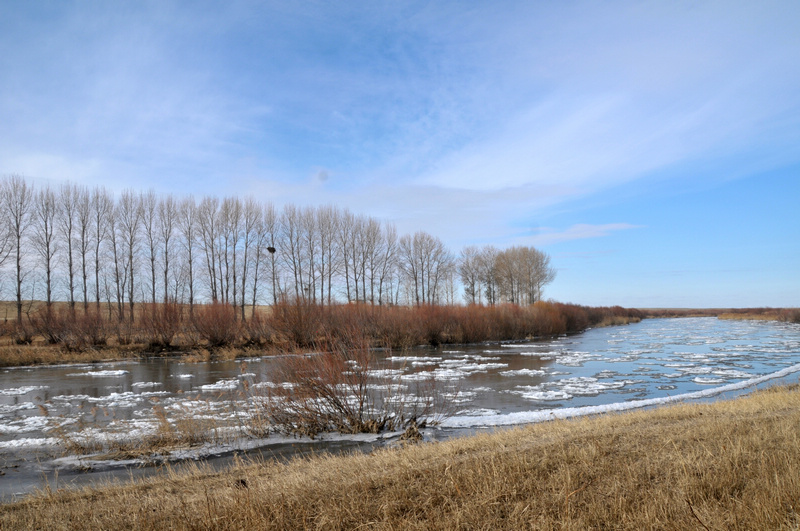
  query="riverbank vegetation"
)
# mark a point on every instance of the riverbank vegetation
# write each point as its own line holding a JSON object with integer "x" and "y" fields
{"x": 726, "y": 465}
{"x": 57, "y": 334}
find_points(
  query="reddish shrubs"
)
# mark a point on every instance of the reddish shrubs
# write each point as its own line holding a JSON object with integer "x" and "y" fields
{"x": 216, "y": 323}
{"x": 298, "y": 323}
{"x": 301, "y": 325}
{"x": 160, "y": 323}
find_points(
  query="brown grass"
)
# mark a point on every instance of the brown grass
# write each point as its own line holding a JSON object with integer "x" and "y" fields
{"x": 728, "y": 465}
{"x": 12, "y": 355}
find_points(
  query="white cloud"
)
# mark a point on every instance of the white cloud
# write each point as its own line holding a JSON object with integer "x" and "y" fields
{"x": 579, "y": 231}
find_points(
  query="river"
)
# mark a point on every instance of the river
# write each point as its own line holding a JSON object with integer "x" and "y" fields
{"x": 44, "y": 409}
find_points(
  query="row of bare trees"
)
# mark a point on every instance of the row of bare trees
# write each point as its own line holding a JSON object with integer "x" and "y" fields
{"x": 87, "y": 247}
{"x": 516, "y": 275}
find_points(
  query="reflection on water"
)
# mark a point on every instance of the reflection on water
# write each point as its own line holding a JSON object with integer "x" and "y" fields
{"x": 496, "y": 383}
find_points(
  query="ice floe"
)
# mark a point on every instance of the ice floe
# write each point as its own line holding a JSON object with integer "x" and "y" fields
{"x": 20, "y": 391}
{"x": 101, "y": 374}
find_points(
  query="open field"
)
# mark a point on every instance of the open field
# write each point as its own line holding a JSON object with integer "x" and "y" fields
{"x": 759, "y": 314}
{"x": 726, "y": 465}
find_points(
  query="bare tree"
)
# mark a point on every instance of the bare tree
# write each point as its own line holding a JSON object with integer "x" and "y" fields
{"x": 67, "y": 221}
{"x": 272, "y": 229}
{"x": 129, "y": 212}
{"x": 521, "y": 273}
{"x": 426, "y": 262}
{"x": 291, "y": 246}
{"x": 83, "y": 208}
{"x": 6, "y": 233}
{"x": 329, "y": 253}
{"x": 259, "y": 243}
{"x": 102, "y": 217}
{"x": 43, "y": 238}
{"x": 149, "y": 218}
{"x": 251, "y": 225}
{"x": 309, "y": 235}
{"x": 354, "y": 240}
{"x": 357, "y": 255}
{"x": 344, "y": 236}
{"x": 545, "y": 273}
{"x": 167, "y": 221}
{"x": 371, "y": 244}
{"x": 487, "y": 263}
{"x": 17, "y": 199}
{"x": 469, "y": 271}
{"x": 230, "y": 224}
{"x": 208, "y": 229}
{"x": 120, "y": 265}
{"x": 187, "y": 225}
{"x": 388, "y": 262}
{"x": 441, "y": 268}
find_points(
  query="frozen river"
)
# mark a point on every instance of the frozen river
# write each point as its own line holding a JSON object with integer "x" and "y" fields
{"x": 494, "y": 384}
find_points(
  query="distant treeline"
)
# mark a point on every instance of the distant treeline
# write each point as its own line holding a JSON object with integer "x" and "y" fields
{"x": 87, "y": 247}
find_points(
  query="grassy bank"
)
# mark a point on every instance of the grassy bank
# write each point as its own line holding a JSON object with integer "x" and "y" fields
{"x": 727, "y": 465}
{"x": 791, "y": 315}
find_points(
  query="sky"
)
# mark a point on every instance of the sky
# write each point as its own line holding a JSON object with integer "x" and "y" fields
{"x": 652, "y": 149}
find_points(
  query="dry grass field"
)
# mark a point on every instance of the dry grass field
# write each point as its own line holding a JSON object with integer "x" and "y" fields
{"x": 727, "y": 465}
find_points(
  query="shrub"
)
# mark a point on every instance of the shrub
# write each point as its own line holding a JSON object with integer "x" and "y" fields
{"x": 475, "y": 324}
{"x": 84, "y": 329}
{"x": 51, "y": 324}
{"x": 298, "y": 322}
{"x": 216, "y": 323}
{"x": 336, "y": 389}
{"x": 398, "y": 327}
{"x": 160, "y": 323}
{"x": 23, "y": 333}
{"x": 258, "y": 330}
{"x": 790, "y": 315}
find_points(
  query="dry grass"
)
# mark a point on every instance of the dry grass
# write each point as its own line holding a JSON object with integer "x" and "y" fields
{"x": 12, "y": 355}
{"x": 765, "y": 316}
{"x": 728, "y": 465}
{"x": 791, "y": 315}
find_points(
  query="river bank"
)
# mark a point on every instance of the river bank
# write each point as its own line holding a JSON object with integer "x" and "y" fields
{"x": 59, "y": 334}
{"x": 728, "y": 464}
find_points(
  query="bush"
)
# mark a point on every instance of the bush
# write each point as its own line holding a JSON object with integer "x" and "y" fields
{"x": 258, "y": 331}
{"x": 398, "y": 327}
{"x": 89, "y": 330}
{"x": 790, "y": 315}
{"x": 216, "y": 323}
{"x": 299, "y": 322}
{"x": 160, "y": 323}
{"x": 50, "y": 324}
{"x": 335, "y": 389}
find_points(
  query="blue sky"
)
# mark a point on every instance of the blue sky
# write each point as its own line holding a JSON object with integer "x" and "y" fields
{"x": 651, "y": 148}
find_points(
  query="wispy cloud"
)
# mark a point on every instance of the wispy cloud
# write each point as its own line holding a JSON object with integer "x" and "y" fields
{"x": 579, "y": 231}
